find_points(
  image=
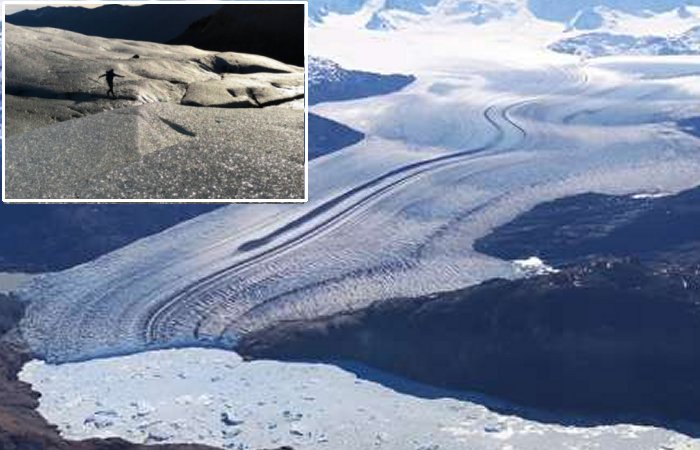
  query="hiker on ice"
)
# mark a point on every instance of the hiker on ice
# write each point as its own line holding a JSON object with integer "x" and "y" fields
{"x": 110, "y": 80}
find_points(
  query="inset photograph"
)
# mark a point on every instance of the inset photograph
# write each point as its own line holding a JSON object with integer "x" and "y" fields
{"x": 154, "y": 102}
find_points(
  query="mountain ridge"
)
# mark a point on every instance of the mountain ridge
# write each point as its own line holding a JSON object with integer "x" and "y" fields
{"x": 153, "y": 23}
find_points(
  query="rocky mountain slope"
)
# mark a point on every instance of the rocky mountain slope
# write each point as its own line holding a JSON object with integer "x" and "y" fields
{"x": 574, "y": 229}
{"x": 120, "y": 148}
{"x": 329, "y": 82}
{"x": 610, "y": 338}
{"x": 47, "y": 238}
{"x": 270, "y": 30}
{"x": 329, "y": 136}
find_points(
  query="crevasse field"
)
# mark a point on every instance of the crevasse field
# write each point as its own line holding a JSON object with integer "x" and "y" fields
{"x": 494, "y": 124}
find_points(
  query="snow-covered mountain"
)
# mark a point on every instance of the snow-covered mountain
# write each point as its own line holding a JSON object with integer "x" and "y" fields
{"x": 392, "y": 14}
{"x": 574, "y": 15}
{"x": 606, "y": 44}
{"x": 591, "y": 18}
{"x": 563, "y": 11}
{"x": 328, "y": 81}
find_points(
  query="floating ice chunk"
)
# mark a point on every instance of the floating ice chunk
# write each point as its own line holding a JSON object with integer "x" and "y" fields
{"x": 230, "y": 434}
{"x": 292, "y": 417}
{"x": 101, "y": 419}
{"x": 142, "y": 408}
{"x": 159, "y": 433}
{"x": 227, "y": 420}
{"x": 296, "y": 429}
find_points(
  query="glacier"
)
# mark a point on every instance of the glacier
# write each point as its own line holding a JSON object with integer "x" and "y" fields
{"x": 480, "y": 136}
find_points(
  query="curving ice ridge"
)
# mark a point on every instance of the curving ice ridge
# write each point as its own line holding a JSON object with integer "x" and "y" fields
{"x": 478, "y": 138}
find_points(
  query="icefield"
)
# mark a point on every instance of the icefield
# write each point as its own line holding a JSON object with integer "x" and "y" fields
{"x": 491, "y": 127}
{"x": 210, "y": 396}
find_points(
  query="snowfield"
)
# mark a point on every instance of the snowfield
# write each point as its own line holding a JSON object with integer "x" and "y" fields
{"x": 211, "y": 396}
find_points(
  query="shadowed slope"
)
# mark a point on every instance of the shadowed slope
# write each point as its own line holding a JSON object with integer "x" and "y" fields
{"x": 276, "y": 31}
{"x": 155, "y": 23}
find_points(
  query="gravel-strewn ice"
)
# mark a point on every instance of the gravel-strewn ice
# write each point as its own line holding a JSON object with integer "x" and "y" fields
{"x": 162, "y": 150}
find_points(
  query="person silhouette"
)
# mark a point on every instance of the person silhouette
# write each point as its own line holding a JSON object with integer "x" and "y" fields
{"x": 110, "y": 80}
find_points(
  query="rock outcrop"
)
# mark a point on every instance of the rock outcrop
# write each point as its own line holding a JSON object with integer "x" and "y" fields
{"x": 330, "y": 82}
{"x": 330, "y": 136}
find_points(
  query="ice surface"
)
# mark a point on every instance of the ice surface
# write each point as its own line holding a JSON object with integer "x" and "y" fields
{"x": 211, "y": 396}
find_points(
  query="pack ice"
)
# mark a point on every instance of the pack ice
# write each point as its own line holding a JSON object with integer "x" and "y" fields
{"x": 210, "y": 396}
